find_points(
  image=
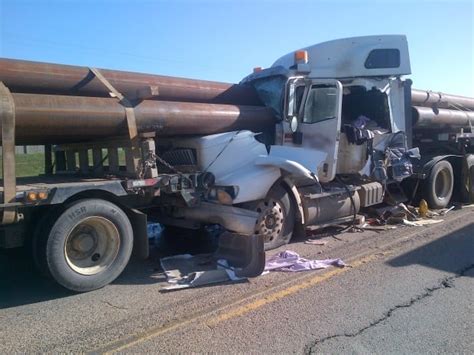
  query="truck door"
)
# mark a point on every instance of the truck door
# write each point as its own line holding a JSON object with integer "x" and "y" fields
{"x": 317, "y": 123}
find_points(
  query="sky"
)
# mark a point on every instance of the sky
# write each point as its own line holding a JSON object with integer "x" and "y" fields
{"x": 224, "y": 40}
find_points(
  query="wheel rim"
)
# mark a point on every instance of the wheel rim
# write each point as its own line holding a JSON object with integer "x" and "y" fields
{"x": 270, "y": 220}
{"x": 92, "y": 245}
{"x": 442, "y": 184}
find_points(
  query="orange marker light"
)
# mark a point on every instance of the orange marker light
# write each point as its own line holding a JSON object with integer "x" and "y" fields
{"x": 224, "y": 197}
{"x": 301, "y": 57}
{"x": 32, "y": 196}
{"x": 42, "y": 195}
{"x": 257, "y": 69}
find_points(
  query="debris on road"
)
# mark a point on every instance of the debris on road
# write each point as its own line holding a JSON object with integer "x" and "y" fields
{"x": 377, "y": 228}
{"x": 423, "y": 208}
{"x": 382, "y": 219}
{"x": 185, "y": 271}
{"x": 291, "y": 261}
{"x": 441, "y": 212}
{"x": 402, "y": 214}
{"x": 315, "y": 242}
{"x": 422, "y": 222}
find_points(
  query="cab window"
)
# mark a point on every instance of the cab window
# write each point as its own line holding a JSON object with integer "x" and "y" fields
{"x": 383, "y": 58}
{"x": 321, "y": 104}
{"x": 299, "y": 92}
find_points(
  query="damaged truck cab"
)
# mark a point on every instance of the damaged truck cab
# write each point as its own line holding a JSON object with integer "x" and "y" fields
{"x": 335, "y": 98}
{"x": 342, "y": 140}
{"x": 340, "y": 106}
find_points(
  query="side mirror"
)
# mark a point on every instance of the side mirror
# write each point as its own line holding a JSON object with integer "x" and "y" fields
{"x": 294, "y": 124}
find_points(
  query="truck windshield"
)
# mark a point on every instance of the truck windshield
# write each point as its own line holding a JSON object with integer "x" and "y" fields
{"x": 320, "y": 104}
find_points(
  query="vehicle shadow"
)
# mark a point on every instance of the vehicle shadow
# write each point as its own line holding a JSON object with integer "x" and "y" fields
{"x": 451, "y": 253}
{"x": 21, "y": 283}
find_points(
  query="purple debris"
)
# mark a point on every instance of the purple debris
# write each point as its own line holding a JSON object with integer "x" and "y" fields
{"x": 290, "y": 261}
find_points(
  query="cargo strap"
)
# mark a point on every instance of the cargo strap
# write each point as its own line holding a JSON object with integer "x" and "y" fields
{"x": 7, "y": 116}
{"x": 131, "y": 121}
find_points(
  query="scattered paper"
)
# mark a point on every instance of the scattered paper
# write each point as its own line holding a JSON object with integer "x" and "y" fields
{"x": 185, "y": 271}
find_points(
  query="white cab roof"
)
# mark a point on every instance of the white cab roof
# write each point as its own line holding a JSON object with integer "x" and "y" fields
{"x": 347, "y": 58}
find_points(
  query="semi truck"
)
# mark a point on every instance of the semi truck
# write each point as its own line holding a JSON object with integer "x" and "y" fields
{"x": 325, "y": 132}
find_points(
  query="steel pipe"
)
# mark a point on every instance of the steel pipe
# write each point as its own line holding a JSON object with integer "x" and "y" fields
{"x": 428, "y": 98}
{"x": 436, "y": 119}
{"x": 43, "y": 119}
{"x": 45, "y": 78}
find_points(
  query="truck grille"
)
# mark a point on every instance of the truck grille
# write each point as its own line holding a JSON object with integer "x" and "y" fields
{"x": 182, "y": 159}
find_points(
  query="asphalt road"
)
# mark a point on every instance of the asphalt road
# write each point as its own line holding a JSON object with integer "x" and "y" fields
{"x": 409, "y": 290}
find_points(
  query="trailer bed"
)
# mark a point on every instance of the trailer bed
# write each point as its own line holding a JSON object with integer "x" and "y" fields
{"x": 43, "y": 181}
{"x": 60, "y": 187}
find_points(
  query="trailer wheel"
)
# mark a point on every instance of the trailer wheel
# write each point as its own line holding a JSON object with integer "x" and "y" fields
{"x": 276, "y": 218}
{"x": 438, "y": 188}
{"x": 88, "y": 246}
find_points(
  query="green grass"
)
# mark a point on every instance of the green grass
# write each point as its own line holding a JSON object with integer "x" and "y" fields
{"x": 32, "y": 164}
{"x": 28, "y": 164}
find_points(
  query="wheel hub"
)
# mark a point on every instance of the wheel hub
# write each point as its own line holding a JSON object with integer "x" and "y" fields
{"x": 82, "y": 243}
{"x": 92, "y": 245}
{"x": 270, "y": 220}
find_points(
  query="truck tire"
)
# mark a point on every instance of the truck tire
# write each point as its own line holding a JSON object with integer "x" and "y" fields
{"x": 276, "y": 219}
{"x": 438, "y": 188}
{"x": 88, "y": 245}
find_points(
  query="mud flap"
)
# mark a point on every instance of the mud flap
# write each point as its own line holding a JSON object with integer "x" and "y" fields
{"x": 245, "y": 253}
{"x": 467, "y": 179}
{"x": 140, "y": 235}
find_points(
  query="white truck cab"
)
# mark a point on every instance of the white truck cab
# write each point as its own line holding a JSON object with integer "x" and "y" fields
{"x": 318, "y": 167}
{"x": 326, "y": 86}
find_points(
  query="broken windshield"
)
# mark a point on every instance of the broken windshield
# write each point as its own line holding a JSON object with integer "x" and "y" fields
{"x": 270, "y": 90}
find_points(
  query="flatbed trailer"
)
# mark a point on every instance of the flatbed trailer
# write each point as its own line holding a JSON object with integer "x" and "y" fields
{"x": 85, "y": 215}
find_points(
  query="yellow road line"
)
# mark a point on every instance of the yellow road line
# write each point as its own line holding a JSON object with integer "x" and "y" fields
{"x": 122, "y": 345}
{"x": 262, "y": 298}
{"x": 241, "y": 310}
{"x": 278, "y": 295}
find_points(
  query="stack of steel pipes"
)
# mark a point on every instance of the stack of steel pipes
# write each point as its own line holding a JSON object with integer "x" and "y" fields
{"x": 60, "y": 104}
{"x": 441, "y": 112}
